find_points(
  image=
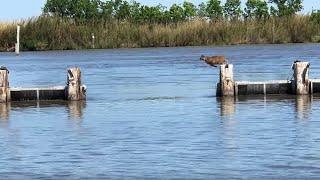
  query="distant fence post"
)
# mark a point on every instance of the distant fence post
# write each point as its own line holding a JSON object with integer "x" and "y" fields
{"x": 93, "y": 38}
{"x": 226, "y": 85}
{"x": 17, "y": 47}
{"x": 301, "y": 82}
{"x": 273, "y": 29}
{"x": 4, "y": 86}
{"x": 75, "y": 90}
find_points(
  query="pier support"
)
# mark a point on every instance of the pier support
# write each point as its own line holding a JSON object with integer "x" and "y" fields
{"x": 301, "y": 82}
{"x": 226, "y": 85}
{"x": 4, "y": 85}
{"x": 75, "y": 90}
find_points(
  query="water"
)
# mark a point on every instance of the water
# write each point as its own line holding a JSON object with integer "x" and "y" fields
{"x": 152, "y": 114}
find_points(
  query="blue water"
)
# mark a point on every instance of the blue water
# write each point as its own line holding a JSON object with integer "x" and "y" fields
{"x": 152, "y": 114}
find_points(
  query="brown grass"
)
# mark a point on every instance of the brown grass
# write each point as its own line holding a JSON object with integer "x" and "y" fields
{"x": 48, "y": 33}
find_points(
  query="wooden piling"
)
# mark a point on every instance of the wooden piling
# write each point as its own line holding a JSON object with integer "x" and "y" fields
{"x": 301, "y": 82}
{"x": 75, "y": 90}
{"x": 226, "y": 85}
{"x": 4, "y": 86}
{"x": 17, "y": 47}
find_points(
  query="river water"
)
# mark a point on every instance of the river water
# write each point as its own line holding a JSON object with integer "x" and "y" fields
{"x": 152, "y": 114}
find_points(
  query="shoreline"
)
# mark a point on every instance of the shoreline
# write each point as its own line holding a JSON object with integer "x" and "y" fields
{"x": 50, "y": 33}
{"x": 165, "y": 47}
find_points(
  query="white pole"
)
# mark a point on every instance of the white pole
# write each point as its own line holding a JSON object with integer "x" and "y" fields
{"x": 18, "y": 41}
{"x": 93, "y": 37}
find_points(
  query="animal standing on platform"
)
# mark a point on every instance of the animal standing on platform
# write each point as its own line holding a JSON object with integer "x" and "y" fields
{"x": 214, "y": 60}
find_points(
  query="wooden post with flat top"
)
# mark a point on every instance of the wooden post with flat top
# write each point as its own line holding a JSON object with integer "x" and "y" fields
{"x": 4, "y": 85}
{"x": 75, "y": 90}
{"x": 301, "y": 82}
{"x": 226, "y": 85}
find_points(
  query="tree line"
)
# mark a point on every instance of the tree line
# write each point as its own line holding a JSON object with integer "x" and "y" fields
{"x": 102, "y": 10}
{"x": 69, "y": 24}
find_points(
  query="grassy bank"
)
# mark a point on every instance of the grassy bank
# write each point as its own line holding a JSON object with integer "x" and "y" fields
{"x": 48, "y": 33}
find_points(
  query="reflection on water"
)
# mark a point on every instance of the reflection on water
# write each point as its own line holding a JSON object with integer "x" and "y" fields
{"x": 4, "y": 112}
{"x": 227, "y": 105}
{"x": 74, "y": 108}
{"x": 303, "y": 106}
{"x": 302, "y": 103}
{"x": 150, "y": 114}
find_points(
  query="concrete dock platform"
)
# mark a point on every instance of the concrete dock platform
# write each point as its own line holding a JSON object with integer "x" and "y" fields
{"x": 267, "y": 87}
{"x": 73, "y": 91}
{"x": 299, "y": 85}
{"x": 29, "y": 94}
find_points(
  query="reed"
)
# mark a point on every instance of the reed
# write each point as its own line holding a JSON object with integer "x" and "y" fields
{"x": 50, "y": 33}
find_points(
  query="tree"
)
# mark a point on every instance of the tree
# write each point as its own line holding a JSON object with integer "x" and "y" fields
{"x": 57, "y": 7}
{"x": 122, "y": 9}
{"x": 152, "y": 14}
{"x": 286, "y": 7}
{"x": 232, "y": 9}
{"x": 106, "y": 10}
{"x": 83, "y": 10}
{"x": 202, "y": 10}
{"x": 80, "y": 10}
{"x": 214, "y": 9}
{"x": 135, "y": 12}
{"x": 256, "y": 9}
{"x": 315, "y": 16}
{"x": 177, "y": 13}
{"x": 189, "y": 9}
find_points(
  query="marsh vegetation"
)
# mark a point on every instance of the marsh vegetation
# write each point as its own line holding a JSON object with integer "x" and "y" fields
{"x": 119, "y": 24}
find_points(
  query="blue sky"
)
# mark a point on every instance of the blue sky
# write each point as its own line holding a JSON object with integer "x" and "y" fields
{"x": 17, "y": 9}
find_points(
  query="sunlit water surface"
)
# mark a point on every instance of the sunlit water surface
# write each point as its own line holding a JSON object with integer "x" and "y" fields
{"x": 152, "y": 114}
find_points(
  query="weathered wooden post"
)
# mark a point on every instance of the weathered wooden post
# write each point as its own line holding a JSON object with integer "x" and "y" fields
{"x": 75, "y": 90}
{"x": 301, "y": 82}
{"x": 17, "y": 47}
{"x": 4, "y": 85}
{"x": 226, "y": 85}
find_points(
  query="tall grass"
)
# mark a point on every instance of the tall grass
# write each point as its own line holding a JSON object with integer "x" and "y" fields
{"x": 49, "y": 33}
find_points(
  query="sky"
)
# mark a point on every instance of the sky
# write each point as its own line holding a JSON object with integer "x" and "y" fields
{"x": 11, "y": 10}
